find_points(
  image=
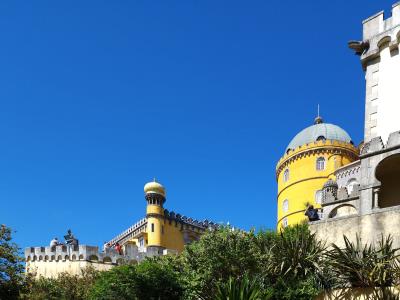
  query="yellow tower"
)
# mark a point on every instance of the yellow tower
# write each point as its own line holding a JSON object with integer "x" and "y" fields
{"x": 155, "y": 197}
{"x": 309, "y": 161}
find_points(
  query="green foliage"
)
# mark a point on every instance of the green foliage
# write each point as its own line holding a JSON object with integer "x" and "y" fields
{"x": 239, "y": 289}
{"x": 296, "y": 254}
{"x": 151, "y": 279}
{"x": 65, "y": 286}
{"x": 295, "y": 269}
{"x": 217, "y": 256}
{"x": 358, "y": 265}
{"x": 11, "y": 268}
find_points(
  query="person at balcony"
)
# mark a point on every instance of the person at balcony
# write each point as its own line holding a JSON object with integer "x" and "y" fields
{"x": 312, "y": 213}
{"x": 118, "y": 248}
{"x": 54, "y": 242}
{"x": 106, "y": 246}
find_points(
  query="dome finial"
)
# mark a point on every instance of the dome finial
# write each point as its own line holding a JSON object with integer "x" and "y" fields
{"x": 318, "y": 119}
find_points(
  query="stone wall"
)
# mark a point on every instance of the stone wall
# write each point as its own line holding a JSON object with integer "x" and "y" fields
{"x": 369, "y": 227}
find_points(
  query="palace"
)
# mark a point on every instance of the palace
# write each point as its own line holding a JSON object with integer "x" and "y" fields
{"x": 355, "y": 189}
{"x": 160, "y": 232}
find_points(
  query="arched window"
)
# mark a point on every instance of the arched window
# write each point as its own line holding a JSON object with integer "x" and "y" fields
{"x": 320, "y": 164}
{"x": 318, "y": 197}
{"x": 286, "y": 175}
{"x": 350, "y": 185}
{"x": 321, "y": 138}
{"x": 284, "y": 222}
{"x": 285, "y": 205}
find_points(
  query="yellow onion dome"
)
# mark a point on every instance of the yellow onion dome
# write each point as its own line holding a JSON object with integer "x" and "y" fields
{"x": 154, "y": 188}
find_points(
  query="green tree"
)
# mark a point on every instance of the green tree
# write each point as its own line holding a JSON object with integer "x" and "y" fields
{"x": 295, "y": 269}
{"x": 240, "y": 289}
{"x": 65, "y": 286}
{"x": 151, "y": 279}
{"x": 217, "y": 256}
{"x": 365, "y": 265}
{"x": 11, "y": 268}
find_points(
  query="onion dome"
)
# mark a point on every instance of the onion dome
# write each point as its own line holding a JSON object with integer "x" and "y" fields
{"x": 319, "y": 131}
{"x": 330, "y": 184}
{"x": 154, "y": 188}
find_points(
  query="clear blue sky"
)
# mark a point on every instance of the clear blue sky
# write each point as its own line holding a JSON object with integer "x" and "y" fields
{"x": 99, "y": 97}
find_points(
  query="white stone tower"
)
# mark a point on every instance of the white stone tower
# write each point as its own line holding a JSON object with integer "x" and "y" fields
{"x": 379, "y": 51}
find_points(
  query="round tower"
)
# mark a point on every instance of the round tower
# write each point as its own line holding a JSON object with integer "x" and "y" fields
{"x": 155, "y": 197}
{"x": 309, "y": 161}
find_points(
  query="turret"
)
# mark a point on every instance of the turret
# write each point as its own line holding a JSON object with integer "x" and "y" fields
{"x": 380, "y": 59}
{"x": 155, "y": 197}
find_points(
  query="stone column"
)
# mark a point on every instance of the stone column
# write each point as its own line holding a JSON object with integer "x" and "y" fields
{"x": 375, "y": 198}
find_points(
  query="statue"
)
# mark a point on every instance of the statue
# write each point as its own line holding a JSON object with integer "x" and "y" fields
{"x": 70, "y": 239}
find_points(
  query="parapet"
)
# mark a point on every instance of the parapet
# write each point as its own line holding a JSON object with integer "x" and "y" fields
{"x": 205, "y": 224}
{"x": 377, "y": 33}
{"x": 318, "y": 147}
{"x": 73, "y": 253}
{"x": 377, "y": 145}
{"x": 377, "y": 23}
{"x": 129, "y": 233}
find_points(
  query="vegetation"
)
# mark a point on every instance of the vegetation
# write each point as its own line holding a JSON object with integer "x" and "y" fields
{"x": 223, "y": 264}
{"x": 11, "y": 268}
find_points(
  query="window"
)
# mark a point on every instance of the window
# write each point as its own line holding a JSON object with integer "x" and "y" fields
{"x": 141, "y": 242}
{"x": 285, "y": 205}
{"x": 152, "y": 227}
{"x": 162, "y": 229}
{"x": 284, "y": 222}
{"x": 320, "y": 164}
{"x": 318, "y": 197}
{"x": 321, "y": 138}
{"x": 286, "y": 175}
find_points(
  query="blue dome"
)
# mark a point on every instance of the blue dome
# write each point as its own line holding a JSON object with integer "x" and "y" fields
{"x": 319, "y": 131}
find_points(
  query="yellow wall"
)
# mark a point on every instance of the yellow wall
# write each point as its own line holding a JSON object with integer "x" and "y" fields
{"x": 304, "y": 179}
{"x": 166, "y": 235}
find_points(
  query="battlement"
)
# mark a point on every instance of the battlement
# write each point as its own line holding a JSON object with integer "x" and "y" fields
{"x": 129, "y": 233}
{"x": 378, "y": 33}
{"x": 341, "y": 195}
{"x": 189, "y": 221}
{"x": 73, "y": 253}
{"x": 377, "y": 145}
{"x": 377, "y": 23}
{"x": 317, "y": 146}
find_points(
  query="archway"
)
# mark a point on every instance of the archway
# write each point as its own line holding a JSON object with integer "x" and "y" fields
{"x": 388, "y": 173}
{"x": 343, "y": 210}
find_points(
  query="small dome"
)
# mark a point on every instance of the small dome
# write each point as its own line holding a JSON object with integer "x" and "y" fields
{"x": 330, "y": 184}
{"x": 319, "y": 131}
{"x": 154, "y": 188}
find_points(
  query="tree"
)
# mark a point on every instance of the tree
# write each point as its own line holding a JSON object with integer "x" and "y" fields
{"x": 151, "y": 279}
{"x": 244, "y": 289}
{"x": 11, "y": 268}
{"x": 373, "y": 266}
{"x": 217, "y": 256}
{"x": 65, "y": 286}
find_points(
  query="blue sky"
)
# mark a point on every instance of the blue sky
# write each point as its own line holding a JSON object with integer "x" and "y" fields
{"x": 99, "y": 97}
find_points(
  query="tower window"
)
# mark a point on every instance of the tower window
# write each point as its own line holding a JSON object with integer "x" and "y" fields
{"x": 285, "y": 222}
{"x": 152, "y": 227}
{"x": 320, "y": 164}
{"x": 286, "y": 175}
{"x": 285, "y": 205}
{"x": 318, "y": 197}
{"x": 162, "y": 229}
{"x": 141, "y": 242}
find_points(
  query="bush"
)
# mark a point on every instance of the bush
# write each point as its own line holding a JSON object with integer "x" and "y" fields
{"x": 148, "y": 280}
